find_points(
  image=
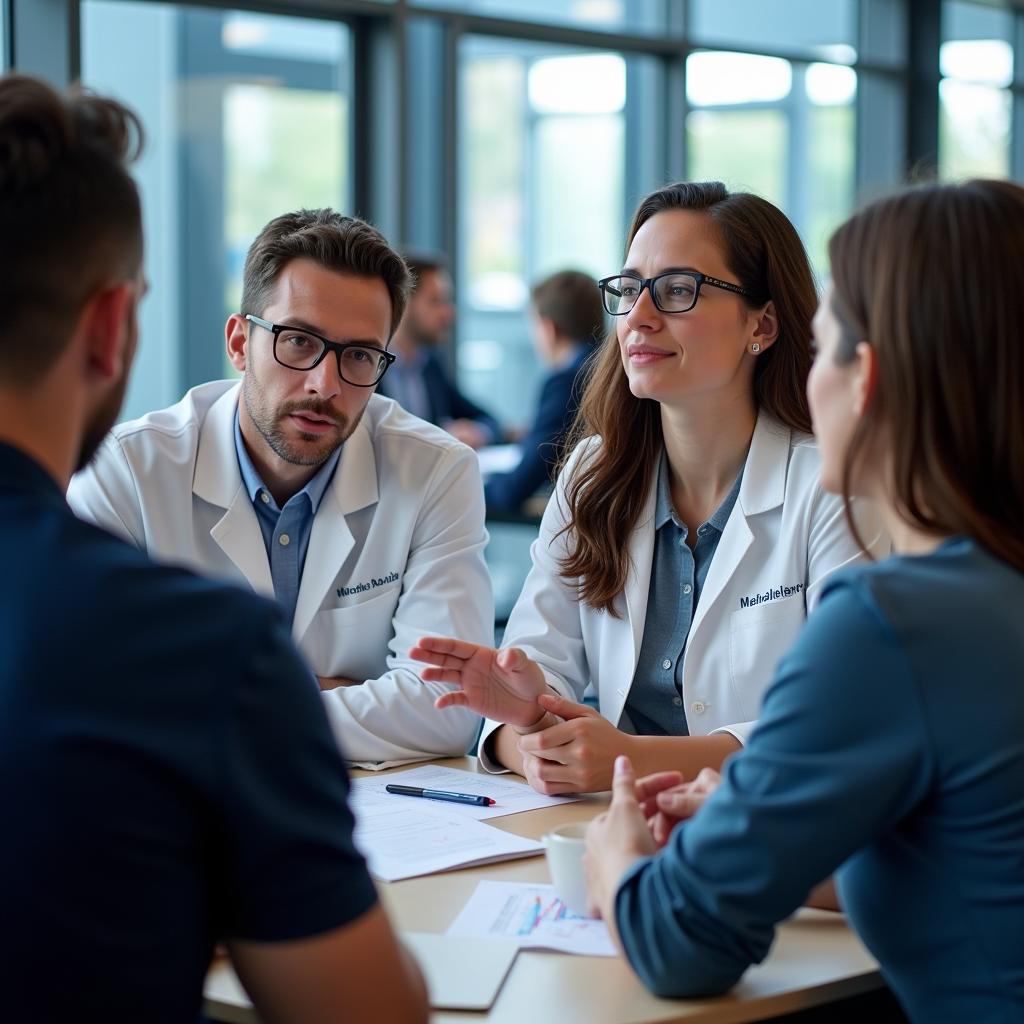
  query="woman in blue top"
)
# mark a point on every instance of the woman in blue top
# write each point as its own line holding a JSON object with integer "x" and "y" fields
{"x": 890, "y": 748}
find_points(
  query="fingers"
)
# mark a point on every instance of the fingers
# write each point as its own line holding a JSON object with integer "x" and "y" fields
{"x": 651, "y": 785}
{"x": 452, "y": 699}
{"x": 661, "y": 828}
{"x": 707, "y": 780}
{"x": 512, "y": 659}
{"x": 682, "y": 804}
{"x": 441, "y": 675}
{"x": 623, "y": 781}
{"x": 436, "y": 649}
{"x": 548, "y": 777}
{"x": 566, "y": 709}
{"x": 547, "y": 740}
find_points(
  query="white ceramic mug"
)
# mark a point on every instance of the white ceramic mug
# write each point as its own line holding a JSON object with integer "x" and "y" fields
{"x": 564, "y": 846}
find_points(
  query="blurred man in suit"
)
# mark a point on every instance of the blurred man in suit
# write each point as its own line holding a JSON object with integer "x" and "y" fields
{"x": 419, "y": 380}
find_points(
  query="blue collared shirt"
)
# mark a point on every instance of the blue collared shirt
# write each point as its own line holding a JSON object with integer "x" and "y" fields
{"x": 285, "y": 530}
{"x": 655, "y": 705}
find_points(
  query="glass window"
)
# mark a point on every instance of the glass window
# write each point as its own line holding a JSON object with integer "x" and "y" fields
{"x": 247, "y": 116}
{"x": 781, "y": 129}
{"x": 826, "y": 30}
{"x": 541, "y": 159}
{"x": 3, "y": 35}
{"x": 639, "y": 16}
{"x": 976, "y": 61}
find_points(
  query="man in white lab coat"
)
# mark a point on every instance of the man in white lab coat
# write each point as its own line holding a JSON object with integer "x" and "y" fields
{"x": 364, "y": 522}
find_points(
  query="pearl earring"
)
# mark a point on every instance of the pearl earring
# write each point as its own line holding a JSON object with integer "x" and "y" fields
{"x": 755, "y": 348}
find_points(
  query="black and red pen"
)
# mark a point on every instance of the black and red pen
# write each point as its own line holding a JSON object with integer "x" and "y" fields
{"x": 441, "y": 794}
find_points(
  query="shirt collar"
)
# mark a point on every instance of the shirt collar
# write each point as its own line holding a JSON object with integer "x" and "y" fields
{"x": 254, "y": 484}
{"x": 664, "y": 511}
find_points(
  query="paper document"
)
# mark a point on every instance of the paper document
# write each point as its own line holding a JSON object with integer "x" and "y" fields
{"x": 381, "y": 766}
{"x": 402, "y": 840}
{"x": 534, "y": 917}
{"x": 461, "y": 973}
{"x": 511, "y": 797}
{"x": 498, "y": 458}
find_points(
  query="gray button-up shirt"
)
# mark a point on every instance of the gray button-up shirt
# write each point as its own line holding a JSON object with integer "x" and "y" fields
{"x": 655, "y": 705}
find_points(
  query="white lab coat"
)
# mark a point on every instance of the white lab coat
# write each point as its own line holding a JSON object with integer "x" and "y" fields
{"x": 783, "y": 537}
{"x": 396, "y": 552}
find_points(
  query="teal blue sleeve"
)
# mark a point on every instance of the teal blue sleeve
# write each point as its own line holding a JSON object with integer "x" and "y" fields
{"x": 838, "y": 758}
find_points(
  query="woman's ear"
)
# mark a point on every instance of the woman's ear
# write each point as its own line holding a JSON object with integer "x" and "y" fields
{"x": 767, "y": 328}
{"x": 864, "y": 379}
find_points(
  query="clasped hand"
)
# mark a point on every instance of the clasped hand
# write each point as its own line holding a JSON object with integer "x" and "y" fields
{"x": 637, "y": 823}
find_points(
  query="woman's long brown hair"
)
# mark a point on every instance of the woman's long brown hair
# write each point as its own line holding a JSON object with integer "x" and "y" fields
{"x": 605, "y": 491}
{"x": 933, "y": 279}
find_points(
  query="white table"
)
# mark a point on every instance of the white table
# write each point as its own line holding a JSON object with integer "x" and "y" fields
{"x": 816, "y": 958}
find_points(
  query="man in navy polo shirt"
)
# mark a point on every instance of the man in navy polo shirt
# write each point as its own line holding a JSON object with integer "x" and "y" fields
{"x": 168, "y": 779}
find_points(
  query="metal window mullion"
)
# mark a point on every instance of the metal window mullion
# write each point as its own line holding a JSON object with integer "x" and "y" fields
{"x": 44, "y": 39}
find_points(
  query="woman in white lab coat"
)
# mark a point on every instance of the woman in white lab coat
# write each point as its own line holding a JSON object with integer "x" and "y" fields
{"x": 688, "y": 534}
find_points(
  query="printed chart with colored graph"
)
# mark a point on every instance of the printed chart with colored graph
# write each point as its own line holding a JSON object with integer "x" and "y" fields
{"x": 546, "y": 913}
{"x": 533, "y": 916}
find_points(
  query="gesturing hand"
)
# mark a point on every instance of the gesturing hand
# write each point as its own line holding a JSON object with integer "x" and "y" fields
{"x": 500, "y": 685}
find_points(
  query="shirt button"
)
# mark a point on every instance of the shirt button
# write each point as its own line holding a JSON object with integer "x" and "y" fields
{"x": 264, "y": 497}
{"x": 284, "y": 540}
{"x": 697, "y": 707}
{"x": 666, "y": 664}
{"x": 687, "y": 588}
{"x": 678, "y": 701}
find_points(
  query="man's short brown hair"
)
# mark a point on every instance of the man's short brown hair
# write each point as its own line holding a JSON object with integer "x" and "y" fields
{"x": 571, "y": 300}
{"x": 70, "y": 216}
{"x": 346, "y": 245}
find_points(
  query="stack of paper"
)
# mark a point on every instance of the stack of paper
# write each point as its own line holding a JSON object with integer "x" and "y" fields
{"x": 402, "y": 840}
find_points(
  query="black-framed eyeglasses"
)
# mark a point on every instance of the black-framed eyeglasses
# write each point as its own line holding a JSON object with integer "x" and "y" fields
{"x": 674, "y": 292}
{"x": 299, "y": 349}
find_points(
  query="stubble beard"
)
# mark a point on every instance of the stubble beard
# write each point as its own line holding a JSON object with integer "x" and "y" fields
{"x": 270, "y": 426}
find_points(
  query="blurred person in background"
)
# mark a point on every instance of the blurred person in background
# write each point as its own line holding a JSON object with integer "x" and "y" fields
{"x": 567, "y": 322}
{"x": 419, "y": 380}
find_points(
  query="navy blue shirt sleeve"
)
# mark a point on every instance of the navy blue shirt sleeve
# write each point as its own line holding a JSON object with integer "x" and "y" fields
{"x": 291, "y": 868}
{"x": 838, "y": 758}
{"x": 541, "y": 449}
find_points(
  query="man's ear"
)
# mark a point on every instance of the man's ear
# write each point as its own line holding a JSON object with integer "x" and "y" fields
{"x": 767, "y": 329}
{"x": 865, "y": 378}
{"x": 236, "y": 340}
{"x": 106, "y": 324}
